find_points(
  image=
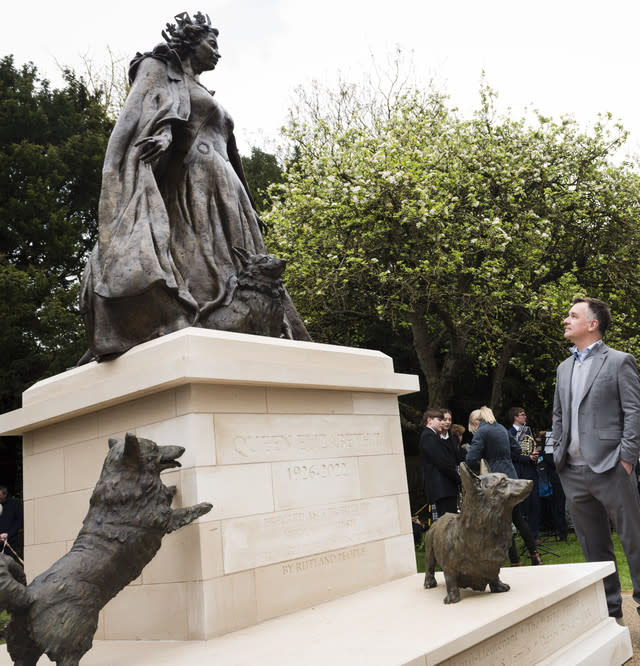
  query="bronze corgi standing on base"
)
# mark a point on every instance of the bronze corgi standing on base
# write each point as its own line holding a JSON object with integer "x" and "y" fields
{"x": 471, "y": 546}
{"x": 130, "y": 511}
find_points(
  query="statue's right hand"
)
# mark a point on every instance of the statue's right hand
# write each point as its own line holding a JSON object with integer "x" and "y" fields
{"x": 153, "y": 146}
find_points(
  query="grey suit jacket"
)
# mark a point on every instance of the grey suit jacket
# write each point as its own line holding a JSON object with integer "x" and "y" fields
{"x": 609, "y": 411}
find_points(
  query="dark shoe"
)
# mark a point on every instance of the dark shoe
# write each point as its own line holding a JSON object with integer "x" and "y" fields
{"x": 519, "y": 564}
{"x": 535, "y": 558}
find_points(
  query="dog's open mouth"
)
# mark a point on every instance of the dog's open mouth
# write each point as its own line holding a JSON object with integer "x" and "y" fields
{"x": 168, "y": 455}
{"x": 169, "y": 464}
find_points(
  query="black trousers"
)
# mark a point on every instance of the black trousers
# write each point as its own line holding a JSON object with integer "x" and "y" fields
{"x": 525, "y": 532}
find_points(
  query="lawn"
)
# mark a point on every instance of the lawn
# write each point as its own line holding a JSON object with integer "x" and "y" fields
{"x": 563, "y": 552}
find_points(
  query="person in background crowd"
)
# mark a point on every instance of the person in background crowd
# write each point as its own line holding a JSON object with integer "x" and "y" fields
{"x": 447, "y": 433}
{"x": 458, "y": 431}
{"x": 439, "y": 465}
{"x": 11, "y": 521}
{"x": 492, "y": 442}
{"x": 525, "y": 465}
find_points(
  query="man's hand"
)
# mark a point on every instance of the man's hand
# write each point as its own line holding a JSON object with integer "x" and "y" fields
{"x": 627, "y": 466}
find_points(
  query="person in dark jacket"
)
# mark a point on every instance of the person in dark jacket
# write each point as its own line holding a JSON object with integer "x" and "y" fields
{"x": 439, "y": 465}
{"x": 492, "y": 442}
{"x": 10, "y": 521}
{"x": 526, "y": 467}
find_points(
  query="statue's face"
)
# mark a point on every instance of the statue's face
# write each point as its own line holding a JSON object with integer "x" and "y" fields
{"x": 205, "y": 56}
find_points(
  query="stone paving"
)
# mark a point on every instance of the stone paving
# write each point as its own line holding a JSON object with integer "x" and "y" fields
{"x": 632, "y": 620}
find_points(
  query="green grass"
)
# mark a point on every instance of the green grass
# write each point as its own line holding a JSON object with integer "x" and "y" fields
{"x": 567, "y": 552}
{"x": 4, "y": 621}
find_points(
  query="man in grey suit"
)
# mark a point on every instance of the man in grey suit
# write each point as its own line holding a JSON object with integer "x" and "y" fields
{"x": 596, "y": 440}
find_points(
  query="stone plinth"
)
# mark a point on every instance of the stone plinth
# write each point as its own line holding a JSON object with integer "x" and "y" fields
{"x": 296, "y": 444}
{"x": 553, "y": 615}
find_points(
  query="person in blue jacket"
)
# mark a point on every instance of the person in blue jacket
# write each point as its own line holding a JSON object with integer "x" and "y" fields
{"x": 492, "y": 442}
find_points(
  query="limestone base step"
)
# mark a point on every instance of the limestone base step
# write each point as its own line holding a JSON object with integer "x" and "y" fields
{"x": 553, "y": 614}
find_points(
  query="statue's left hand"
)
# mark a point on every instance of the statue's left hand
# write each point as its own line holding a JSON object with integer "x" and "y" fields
{"x": 153, "y": 146}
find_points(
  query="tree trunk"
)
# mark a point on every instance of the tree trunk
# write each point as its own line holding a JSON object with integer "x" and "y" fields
{"x": 501, "y": 370}
{"x": 439, "y": 380}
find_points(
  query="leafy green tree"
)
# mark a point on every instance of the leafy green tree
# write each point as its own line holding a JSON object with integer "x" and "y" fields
{"x": 261, "y": 170}
{"x": 52, "y": 144}
{"x": 472, "y": 234}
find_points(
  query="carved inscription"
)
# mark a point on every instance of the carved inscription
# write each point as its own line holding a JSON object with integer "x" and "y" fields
{"x": 324, "y": 560}
{"x": 317, "y": 471}
{"x": 307, "y": 443}
{"x": 300, "y": 583}
{"x": 304, "y": 483}
{"x": 520, "y": 644}
{"x": 289, "y": 535}
{"x": 279, "y": 437}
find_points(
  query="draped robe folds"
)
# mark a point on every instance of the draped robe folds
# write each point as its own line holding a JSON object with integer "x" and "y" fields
{"x": 166, "y": 228}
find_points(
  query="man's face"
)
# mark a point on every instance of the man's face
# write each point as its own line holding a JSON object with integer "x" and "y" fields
{"x": 3, "y": 496}
{"x": 435, "y": 424}
{"x": 579, "y": 326}
{"x": 520, "y": 419}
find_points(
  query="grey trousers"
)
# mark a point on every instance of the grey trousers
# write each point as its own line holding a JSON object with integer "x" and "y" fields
{"x": 592, "y": 500}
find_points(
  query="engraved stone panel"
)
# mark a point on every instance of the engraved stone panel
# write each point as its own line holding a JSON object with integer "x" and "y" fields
{"x": 277, "y": 437}
{"x": 287, "y": 586}
{"x": 521, "y": 644}
{"x": 285, "y": 535}
{"x": 303, "y": 483}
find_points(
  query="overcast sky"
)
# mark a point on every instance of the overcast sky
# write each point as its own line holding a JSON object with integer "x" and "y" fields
{"x": 577, "y": 57}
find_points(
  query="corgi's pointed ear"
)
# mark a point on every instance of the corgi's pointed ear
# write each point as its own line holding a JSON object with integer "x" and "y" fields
{"x": 131, "y": 446}
{"x": 242, "y": 254}
{"x": 469, "y": 478}
{"x": 484, "y": 467}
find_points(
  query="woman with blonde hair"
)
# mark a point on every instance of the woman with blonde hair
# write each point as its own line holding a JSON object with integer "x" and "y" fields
{"x": 493, "y": 442}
